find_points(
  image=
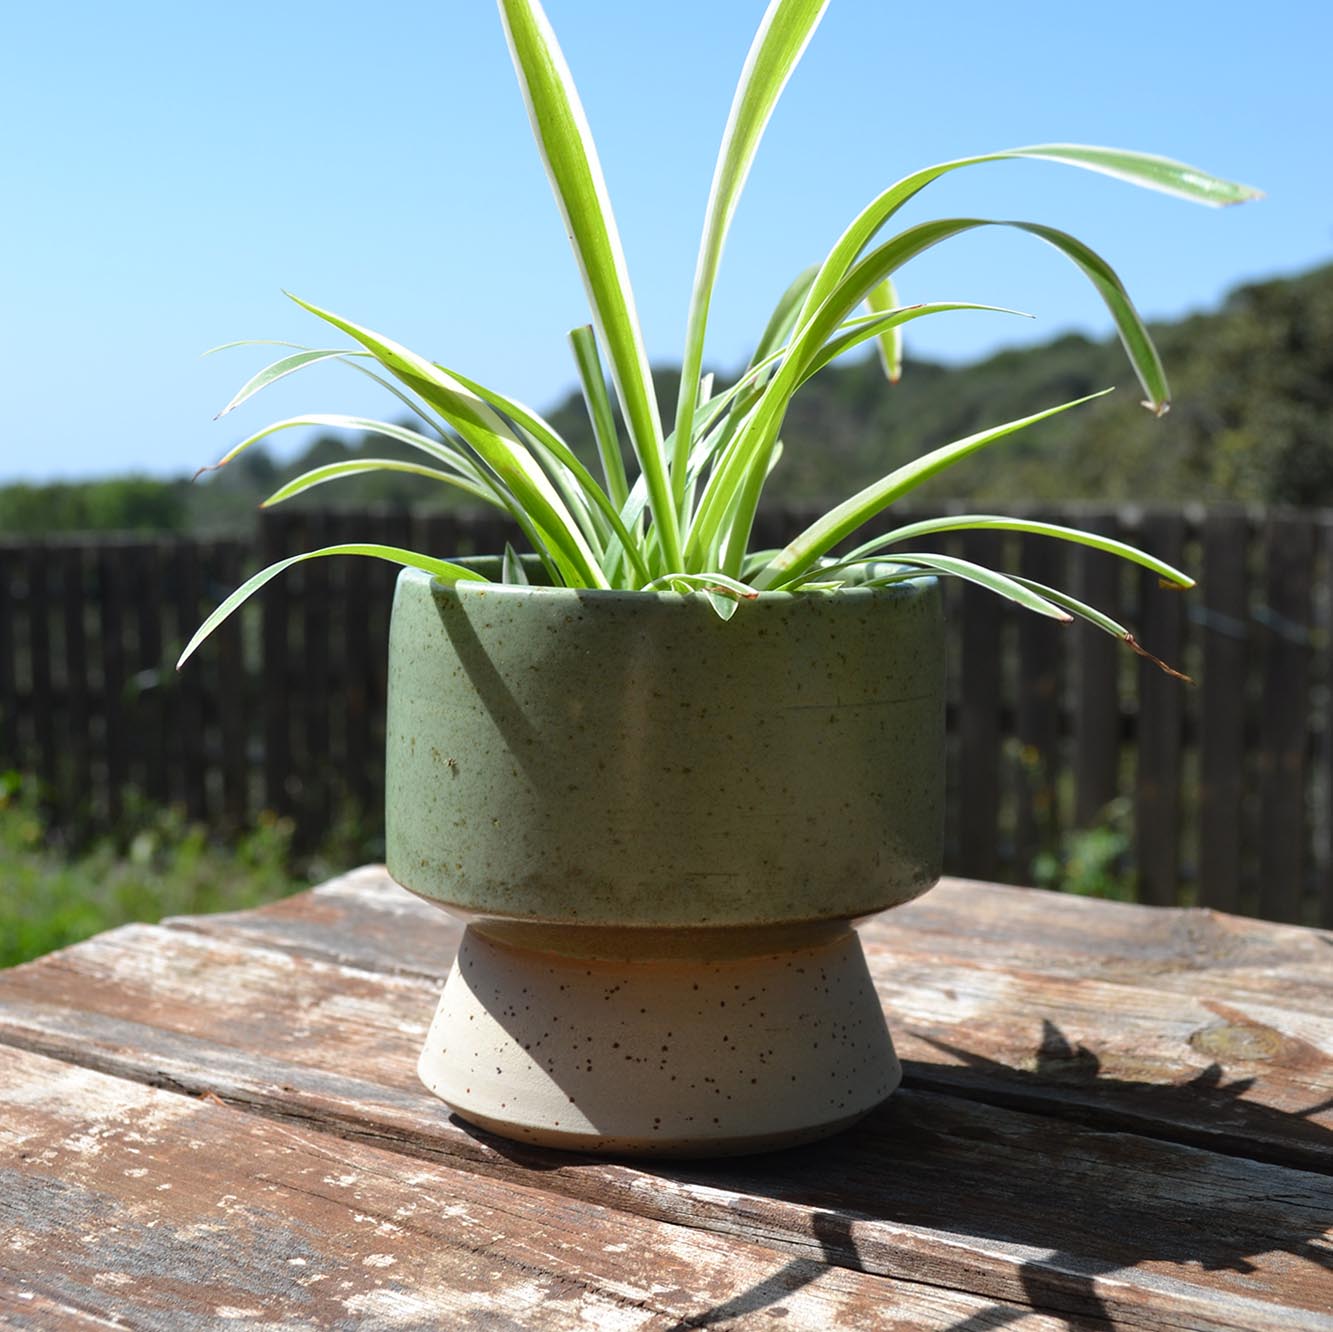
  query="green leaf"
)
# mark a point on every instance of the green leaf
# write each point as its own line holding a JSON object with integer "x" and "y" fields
{"x": 1081, "y": 609}
{"x": 783, "y": 35}
{"x": 511, "y": 567}
{"x": 583, "y": 341}
{"x": 545, "y": 437}
{"x": 1105, "y": 623}
{"x": 1133, "y": 332}
{"x": 1001, "y": 584}
{"x": 992, "y": 522}
{"x": 704, "y": 581}
{"x": 351, "y": 359}
{"x": 525, "y": 486}
{"x": 731, "y": 498}
{"x": 1143, "y": 169}
{"x": 882, "y": 298}
{"x": 441, "y": 569}
{"x": 334, "y": 471}
{"x": 825, "y": 533}
{"x": 570, "y": 157}
{"x": 279, "y": 370}
{"x": 1147, "y": 170}
{"x": 436, "y": 449}
{"x": 868, "y": 272}
{"x": 886, "y": 324}
{"x": 783, "y": 319}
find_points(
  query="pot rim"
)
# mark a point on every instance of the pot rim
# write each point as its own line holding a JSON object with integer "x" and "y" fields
{"x": 905, "y": 590}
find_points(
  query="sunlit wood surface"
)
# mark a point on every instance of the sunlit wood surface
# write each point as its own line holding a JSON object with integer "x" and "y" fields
{"x": 1112, "y": 1116}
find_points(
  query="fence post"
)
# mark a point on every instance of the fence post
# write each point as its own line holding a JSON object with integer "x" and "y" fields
{"x": 1160, "y": 717}
{"x": 1285, "y": 634}
{"x": 1225, "y": 616}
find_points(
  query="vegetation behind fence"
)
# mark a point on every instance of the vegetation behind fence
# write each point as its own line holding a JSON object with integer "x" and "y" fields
{"x": 1070, "y": 758}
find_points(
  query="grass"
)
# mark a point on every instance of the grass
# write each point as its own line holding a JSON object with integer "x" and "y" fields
{"x": 158, "y": 864}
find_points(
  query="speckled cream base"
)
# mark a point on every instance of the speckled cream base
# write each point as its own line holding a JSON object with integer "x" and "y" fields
{"x": 660, "y": 1056}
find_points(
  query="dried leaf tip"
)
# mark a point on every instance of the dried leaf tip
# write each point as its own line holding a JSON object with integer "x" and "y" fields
{"x": 1157, "y": 661}
{"x": 1158, "y": 409}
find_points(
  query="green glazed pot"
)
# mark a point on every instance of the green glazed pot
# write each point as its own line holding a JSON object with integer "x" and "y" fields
{"x": 659, "y": 826}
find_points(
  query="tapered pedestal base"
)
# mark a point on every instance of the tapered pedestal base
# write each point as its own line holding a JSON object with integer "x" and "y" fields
{"x": 660, "y": 1055}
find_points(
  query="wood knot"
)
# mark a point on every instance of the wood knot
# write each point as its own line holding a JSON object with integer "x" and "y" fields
{"x": 1237, "y": 1042}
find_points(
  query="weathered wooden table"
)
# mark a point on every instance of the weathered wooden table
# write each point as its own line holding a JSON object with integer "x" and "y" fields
{"x": 1113, "y": 1116}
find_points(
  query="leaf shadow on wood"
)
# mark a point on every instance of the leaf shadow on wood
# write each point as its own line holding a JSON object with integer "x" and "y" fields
{"x": 1111, "y": 1200}
{"x": 1208, "y": 1110}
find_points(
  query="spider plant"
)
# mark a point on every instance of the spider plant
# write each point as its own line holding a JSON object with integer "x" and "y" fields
{"x": 684, "y": 521}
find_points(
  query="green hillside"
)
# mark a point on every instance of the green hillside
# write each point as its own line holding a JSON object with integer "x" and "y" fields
{"x": 1252, "y": 420}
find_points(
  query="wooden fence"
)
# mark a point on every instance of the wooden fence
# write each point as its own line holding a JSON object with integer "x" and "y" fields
{"x": 1222, "y": 792}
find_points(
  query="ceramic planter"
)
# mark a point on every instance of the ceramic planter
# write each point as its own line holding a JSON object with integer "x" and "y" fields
{"x": 659, "y": 827}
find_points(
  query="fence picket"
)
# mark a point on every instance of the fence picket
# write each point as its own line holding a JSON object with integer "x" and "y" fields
{"x": 39, "y": 656}
{"x": 9, "y": 695}
{"x": 1041, "y": 646}
{"x": 979, "y": 718}
{"x": 277, "y": 688}
{"x": 1225, "y": 617}
{"x": 1097, "y": 720}
{"x": 112, "y": 699}
{"x": 234, "y": 696}
{"x": 74, "y": 612}
{"x": 1160, "y": 718}
{"x": 1285, "y": 634}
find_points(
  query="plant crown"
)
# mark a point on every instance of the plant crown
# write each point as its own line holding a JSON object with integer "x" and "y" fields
{"x": 683, "y": 522}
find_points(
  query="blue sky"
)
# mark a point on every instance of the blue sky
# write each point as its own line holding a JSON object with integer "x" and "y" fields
{"x": 170, "y": 168}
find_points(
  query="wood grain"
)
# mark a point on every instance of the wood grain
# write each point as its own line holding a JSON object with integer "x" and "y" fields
{"x": 1005, "y": 1206}
{"x": 119, "y": 1199}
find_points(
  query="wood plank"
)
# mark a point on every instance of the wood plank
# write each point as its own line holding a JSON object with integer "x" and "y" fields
{"x": 204, "y": 1216}
{"x": 1158, "y": 736}
{"x": 979, "y": 717}
{"x": 1149, "y": 1234}
{"x": 1284, "y": 720}
{"x": 1226, "y": 630}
